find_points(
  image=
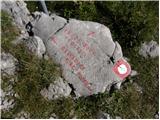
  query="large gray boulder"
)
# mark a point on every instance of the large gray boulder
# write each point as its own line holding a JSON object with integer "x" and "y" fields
{"x": 8, "y": 68}
{"x": 84, "y": 49}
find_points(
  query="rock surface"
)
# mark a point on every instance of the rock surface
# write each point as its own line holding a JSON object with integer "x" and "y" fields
{"x": 6, "y": 103}
{"x": 83, "y": 48}
{"x": 117, "y": 117}
{"x": 157, "y": 115}
{"x": 8, "y": 64}
{"x": 18, "y": 11}
{"x": 53, "y": 116}
{"x": 150, "y": 49}
{"x": 8, "y": 68}
{"x": 57, "y": 89}
{"x": 23, "y": 115}
{"x": 138, "y": 88}
{"x": 21, "y": 17}
{"x": 35, "y": 45}
{"x": 103, "y": 115}
{"x": 118, "y": 86}
{"x": 133, "y": 73}
{"x": 7, "y": 95}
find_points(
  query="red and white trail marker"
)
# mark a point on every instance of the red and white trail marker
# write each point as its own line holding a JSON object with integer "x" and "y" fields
{"x": 122, "y": 68}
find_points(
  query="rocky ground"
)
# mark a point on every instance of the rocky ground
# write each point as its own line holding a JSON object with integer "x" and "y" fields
{"x": 35, "y": 85}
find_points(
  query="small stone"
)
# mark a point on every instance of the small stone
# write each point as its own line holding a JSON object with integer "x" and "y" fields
{"x": 103, "y": 115}
{"x": 138, "y": 88}
{"x": 150, "y": 49}
{"x": 22, "y": 32}
{"x": 55, "y": 90}
{"x": 8, "y": 64}
{"x": 7, "y": 94}
{"x": 16, "y": 95}
{"x": 35, "y": 45}
{"x": 53, "y": 116}
{"x": 157, "y": 115}
{"x": 46, "y": 57}
{"x": 118, "y": 85}
{"x": 22, "y": 115}
{"x": 7, "y": 104}
{"x": 133, "y": 73}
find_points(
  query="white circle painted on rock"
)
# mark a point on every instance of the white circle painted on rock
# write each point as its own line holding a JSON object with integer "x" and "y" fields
{"x": 122, "y": 69}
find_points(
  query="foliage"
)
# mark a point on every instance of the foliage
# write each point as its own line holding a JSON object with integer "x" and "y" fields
{"x": 131, "y": 23}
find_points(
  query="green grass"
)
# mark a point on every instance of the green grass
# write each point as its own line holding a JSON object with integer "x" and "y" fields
{"x": 131, "y": 23}
{"x": 32, "y": 75}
